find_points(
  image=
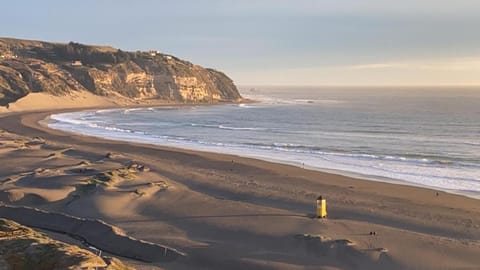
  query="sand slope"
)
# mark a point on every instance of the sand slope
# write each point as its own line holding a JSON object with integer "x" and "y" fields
{"x": 44, "y": 101}
{"x": 94, "y": 232}
{"x": 24, "y": 248}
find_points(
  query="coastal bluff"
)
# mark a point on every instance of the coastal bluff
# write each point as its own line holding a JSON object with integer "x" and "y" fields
{"x": 120, "y": 77}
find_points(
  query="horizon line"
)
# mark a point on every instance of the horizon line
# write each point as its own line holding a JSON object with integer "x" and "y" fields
{"x": 362, "y": 85}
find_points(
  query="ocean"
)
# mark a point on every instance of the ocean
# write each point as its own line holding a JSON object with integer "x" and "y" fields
{"x": 426, "y": 137}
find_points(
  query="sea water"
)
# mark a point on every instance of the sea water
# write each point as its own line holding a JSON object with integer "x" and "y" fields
{"x": 419, "y": 136}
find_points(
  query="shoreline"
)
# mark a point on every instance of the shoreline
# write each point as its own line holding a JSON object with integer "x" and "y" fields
{"x": 35, "y": 123}
{"x": 351, "y": 174}
{"x": 228, "y": 204}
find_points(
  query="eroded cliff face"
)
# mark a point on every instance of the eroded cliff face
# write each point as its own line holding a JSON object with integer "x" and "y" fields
{"x": 35, "y": 66}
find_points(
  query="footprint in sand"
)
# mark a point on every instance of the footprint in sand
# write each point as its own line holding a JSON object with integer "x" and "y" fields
{"x": 111, "y": 155}
{"x": 136, "y": 167}
{"x": 84, "y": 163}
{"x": 57, "y": 154}
{"x": 35, "y": 143}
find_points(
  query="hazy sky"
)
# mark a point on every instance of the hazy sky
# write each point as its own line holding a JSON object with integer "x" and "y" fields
{"x": 308, "y": 42}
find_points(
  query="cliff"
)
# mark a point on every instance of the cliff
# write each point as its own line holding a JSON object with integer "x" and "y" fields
{"x": 61, "y": 69}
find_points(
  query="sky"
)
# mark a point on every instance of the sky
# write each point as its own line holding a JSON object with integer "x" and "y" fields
{"x": 276, "y": 42}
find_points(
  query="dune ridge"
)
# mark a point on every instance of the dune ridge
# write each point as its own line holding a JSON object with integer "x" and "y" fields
{"x": 94, "y": 232}
{"x": 24, "y": 248}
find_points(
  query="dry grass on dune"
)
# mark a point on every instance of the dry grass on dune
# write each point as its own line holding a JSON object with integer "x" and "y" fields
{"x": 24, "y": 248}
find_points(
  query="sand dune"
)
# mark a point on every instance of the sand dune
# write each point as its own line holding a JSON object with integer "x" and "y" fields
{"x": 94, "y": 232}
{"x": 44, "y": 101}
{"x": 24, "y": 248}
{"x": 225, "y": 212}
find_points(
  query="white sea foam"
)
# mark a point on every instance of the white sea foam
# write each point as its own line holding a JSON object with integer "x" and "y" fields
{"x": 225, "y": 127}
{"x": 283, "y": 101}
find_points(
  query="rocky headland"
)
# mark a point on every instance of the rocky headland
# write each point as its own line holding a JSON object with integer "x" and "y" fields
{"x": 59, "y": 69}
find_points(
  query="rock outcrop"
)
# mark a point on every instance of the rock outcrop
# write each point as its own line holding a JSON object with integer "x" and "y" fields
{"x": 59, "y": 69}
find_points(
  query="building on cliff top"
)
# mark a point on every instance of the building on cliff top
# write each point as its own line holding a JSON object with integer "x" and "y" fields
{"x": 153, "y": 53}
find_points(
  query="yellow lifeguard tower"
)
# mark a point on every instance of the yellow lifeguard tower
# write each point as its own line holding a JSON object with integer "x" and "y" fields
{"x": 321, "y": 207}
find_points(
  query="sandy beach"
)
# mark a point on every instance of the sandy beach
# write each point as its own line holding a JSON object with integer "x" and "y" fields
{"x": 216, "y": 211}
